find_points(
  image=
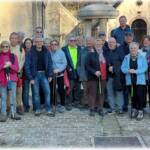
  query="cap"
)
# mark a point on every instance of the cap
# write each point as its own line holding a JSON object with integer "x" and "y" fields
{"x": 101, "y": 33}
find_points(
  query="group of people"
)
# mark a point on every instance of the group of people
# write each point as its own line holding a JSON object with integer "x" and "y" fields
{"x": 85, "y": 76}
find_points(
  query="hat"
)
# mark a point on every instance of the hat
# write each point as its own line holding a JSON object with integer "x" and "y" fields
{"x": 101, "y": 33}
{"x": 128, "y": 34}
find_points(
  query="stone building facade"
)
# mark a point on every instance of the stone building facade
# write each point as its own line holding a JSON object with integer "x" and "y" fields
{"x": 81, "y": 18}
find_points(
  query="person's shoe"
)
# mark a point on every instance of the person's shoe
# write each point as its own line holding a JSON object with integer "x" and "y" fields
{"x": 140, "y": 115}
{"x": 60, "y": 108}
{"x": 111, "y": 112}
{"x": 26, "y": 111}
{"x": 37, "y": 113}
{"x": 3, "y": 118}
{"x": 92, "y": 112}
{"x": 76, "y": 104}
{"x": 101, "y": 112}
{"x": 15, "y": 116}
{"x": 68, "y": 107}
{"x": 20, "y": 110}
{"x": 84, "y": 107}
{"x": 133, "y": 113}
{"x": 125, "y": 109}
{"x": 120, "y": 112}
{"x": 50, "y": 114}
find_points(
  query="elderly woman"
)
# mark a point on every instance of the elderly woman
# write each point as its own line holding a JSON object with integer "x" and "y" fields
{"x": 134, "y": 67}
{"x": 9, "y": 68}
{"x": 59, "y": 66}
{"x": 102, "y": 82}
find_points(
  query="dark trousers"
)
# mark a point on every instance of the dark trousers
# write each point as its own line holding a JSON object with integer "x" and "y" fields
{"x": 61, "y": 90}
{"x": 147, "y": 91}
{"x": 92, "y": 88}
{"x": 125, "y": 98}
{"x": 42, "y": 99}
{"x": 74, "y": 95}
{"x": 137, "y": 100}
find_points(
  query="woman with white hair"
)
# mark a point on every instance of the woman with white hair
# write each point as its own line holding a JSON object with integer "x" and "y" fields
{"x": 134, "y": 66}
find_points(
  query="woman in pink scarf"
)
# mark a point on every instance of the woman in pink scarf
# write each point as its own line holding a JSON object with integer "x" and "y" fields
{"x": 9, "y": 68}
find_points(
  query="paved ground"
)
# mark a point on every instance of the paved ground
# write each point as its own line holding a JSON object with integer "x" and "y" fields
{"x": 71, "y": 129}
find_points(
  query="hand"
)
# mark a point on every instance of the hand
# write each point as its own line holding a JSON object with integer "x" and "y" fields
{"x": 32, "y": 82}
{"x": 56, "y": 71}
{"x": 110, "y": 69}
{"x": 8, "y": 63}
{"x": 131, "y": 71}
{"x": 97, "y": 73}
{"x": 5, "y": 66}
{"x": 50, "y": 79}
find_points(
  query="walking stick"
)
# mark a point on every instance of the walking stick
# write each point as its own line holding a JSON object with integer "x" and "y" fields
{"x": 132, "y": 94}
{"x": 54, "y": 93}
{"x": 99, "y": 82}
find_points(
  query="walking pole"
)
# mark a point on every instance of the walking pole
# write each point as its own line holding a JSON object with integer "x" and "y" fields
{"x": 132, "y": 94}
{"x": 54, "y": 93}
{"x": 99, "y": 81}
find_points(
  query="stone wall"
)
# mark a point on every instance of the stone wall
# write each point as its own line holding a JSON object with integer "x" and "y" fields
{"x": 15, "y": 17}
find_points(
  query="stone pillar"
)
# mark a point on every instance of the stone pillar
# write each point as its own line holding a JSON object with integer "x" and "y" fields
{"x": 103, "y": 25}
{"x": 36, "y": 14}
{"x": 88, "y": 28}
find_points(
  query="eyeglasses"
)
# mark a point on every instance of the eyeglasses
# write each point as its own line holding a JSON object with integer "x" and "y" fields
{"x": 5, "y": 46}
{"x": 54, "y": 44}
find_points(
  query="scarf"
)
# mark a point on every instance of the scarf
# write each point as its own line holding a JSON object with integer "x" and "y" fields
{"x": 101, "y": 56}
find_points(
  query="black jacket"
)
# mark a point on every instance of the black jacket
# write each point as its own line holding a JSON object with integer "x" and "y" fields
{"x": 92, "y": 65}
{"x": 114, "y": 58}
{"x": 124, "y": 48}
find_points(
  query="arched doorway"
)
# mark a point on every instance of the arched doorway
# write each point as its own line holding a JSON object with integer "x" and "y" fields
{"x": 139, "y": 28}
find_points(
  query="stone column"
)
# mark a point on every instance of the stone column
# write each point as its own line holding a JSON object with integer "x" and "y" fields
{"x": 36, "y": 14}
{"x": 103, "y": 25}
{"x": 88, "y": 28}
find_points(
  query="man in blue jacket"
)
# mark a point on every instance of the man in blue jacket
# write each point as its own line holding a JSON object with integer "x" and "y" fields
{"x": 38, "y": 68}
{"x": 120, "y": 31}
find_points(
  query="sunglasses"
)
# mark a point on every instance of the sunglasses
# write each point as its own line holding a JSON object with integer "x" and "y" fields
{"x": 5, "y": 46}
{"x": 38, "y": 31}
{"x": 73, "y": 40}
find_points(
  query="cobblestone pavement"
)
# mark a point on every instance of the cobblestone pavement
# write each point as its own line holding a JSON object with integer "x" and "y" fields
{"x": 70, "y": 129}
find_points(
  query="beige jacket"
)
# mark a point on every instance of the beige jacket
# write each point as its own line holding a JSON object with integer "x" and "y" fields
{"x": 20, "y": 56}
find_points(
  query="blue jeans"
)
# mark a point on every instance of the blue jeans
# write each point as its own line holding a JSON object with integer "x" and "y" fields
{"x": 42, "y": 80}
{"x": 114, "y": 98}
{"x": 3, "y": 91}
{"x": 25, "y": 95}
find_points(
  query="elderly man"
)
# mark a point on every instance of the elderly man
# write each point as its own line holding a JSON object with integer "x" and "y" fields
{"x": 21, "y": 37}
{"x": 124, "y": 47}
{"x": 72, "y": 55}
{"x": 120, "y": 31}
{"x": 114, "y": 59}
{"x": 20, "y": 53}
{"x": 82, "y": 71}
{"x": 38, "y": 68}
